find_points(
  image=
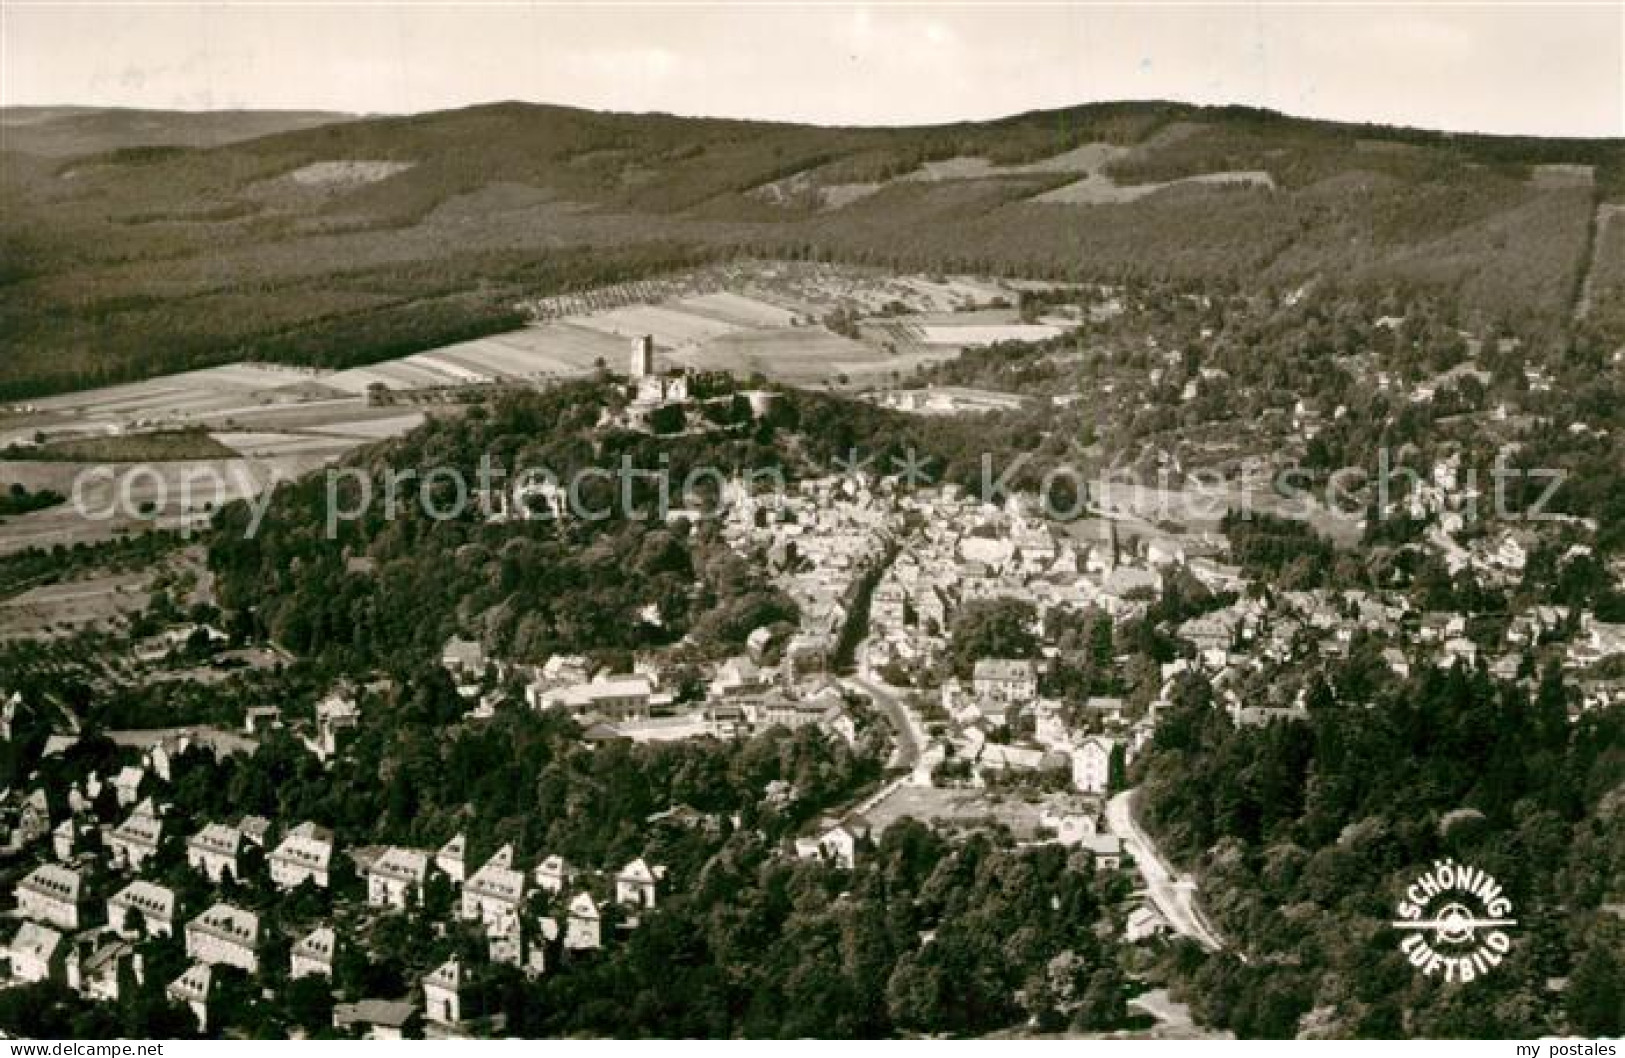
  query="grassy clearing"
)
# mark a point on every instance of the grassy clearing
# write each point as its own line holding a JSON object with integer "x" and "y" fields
{"x": 163, "y": 446}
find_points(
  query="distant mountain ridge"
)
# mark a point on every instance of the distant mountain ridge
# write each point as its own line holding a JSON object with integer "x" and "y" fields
{"x": 339, "y": 241}
{"x": 59, "y": 132}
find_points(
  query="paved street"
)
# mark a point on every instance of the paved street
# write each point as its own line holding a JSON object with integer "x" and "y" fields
{"x": 910, "y": 737}
{"x": 1173, "y": 896}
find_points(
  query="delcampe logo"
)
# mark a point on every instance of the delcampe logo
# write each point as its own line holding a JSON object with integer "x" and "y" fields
{"x": 1455, "y": 920}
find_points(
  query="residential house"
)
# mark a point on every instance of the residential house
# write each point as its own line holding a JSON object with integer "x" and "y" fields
{"x": 70, "y": 838}
{"x": 32, "y": 820}
{"x": 127, "y": 785}
{"x": 583, "y": 928}
{"x": 214, "y": 851}
{"x": 225, "y": 936}
{"x": 305, "y": 853}
{"x": 314, "y": 954}
{"x": 195, "y": 990}
{"x": 51, "y": 894}
{"x": 837, "y": 844}
{"x": 495, "y": 892}
{"x": 552, "y": 874}
{"x": 36, "y": 954}
{"x": 396, "y": 878}
{"x": 135, "y": 840}
{"x": 337, "y": 717}
{"x": 154, "y": 904}
{"x": 442, "y": 994}
{"x": 635, "y": 884}
{"x": 256, "y": 830}
{"x": 96, "y": 966}
{"x": 377, "y": 1019}
{"x": 451, "y": 859}
{"x": 1008, "y": 680}
{"x": 1092, "y": 763}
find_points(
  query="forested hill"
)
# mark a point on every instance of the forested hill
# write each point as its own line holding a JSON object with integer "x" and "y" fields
{"x": 1303, "y": 833}
{"x": 155, "y": 255}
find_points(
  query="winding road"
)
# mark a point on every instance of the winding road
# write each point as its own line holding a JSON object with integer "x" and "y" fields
{"x": 1174, "y": 895}
{"x": 910, "y": 736}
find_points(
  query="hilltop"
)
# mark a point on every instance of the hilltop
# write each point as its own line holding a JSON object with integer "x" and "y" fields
{"x": 360, "y": 239}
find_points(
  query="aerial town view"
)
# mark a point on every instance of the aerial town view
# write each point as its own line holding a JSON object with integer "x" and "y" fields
{"x": 1075, "y": 540}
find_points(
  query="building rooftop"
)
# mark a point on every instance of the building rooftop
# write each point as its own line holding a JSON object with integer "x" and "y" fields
{"x": 216, "y": 838}
{"x": 55, "y": 882}
{"x": 153, "y": 901}
{"x": 228, "y": 923}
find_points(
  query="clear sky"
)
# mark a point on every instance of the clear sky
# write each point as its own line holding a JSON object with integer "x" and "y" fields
{"x": 1553, "y": 69}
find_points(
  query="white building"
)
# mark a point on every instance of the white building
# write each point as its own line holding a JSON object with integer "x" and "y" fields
{"x": 154, "y": 903}
{"x": 135, "y": 840}
{"x": 635, "y": 885}
{"x": 1092, "y": 764}
{"x": 51, "y": 894}
{"x": 36, "y": 954}
{"x": 442, "y": 994}
{"x": 552, "y": 874}
{"x": 613, "y": 698}
{"x": 838, "y": 846}
{"x": 643, "y": 357}
{"x": 313, "y": 955}
{"x": 127, "y": 785}
{"x": 396, "y": 878}
{"x": 214, "y": 851}
{"x": 451, "y": 859}
{"x": 96, "y": 966}
{"x": 1006, "y": 680}
{"x": 337, "y": 717}
{"x": 583, "y": 930}
{"x": 225, "y": 936}
{"x": 195, "y": 990}
{"x": 305, "y": 853}
{"x": 494, "y": 893}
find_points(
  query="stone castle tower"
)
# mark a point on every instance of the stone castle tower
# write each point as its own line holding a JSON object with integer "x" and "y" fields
{"x": 643, "y": 356}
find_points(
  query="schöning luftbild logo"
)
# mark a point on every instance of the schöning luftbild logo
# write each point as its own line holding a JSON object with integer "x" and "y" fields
{"x": 1455, "y": 920}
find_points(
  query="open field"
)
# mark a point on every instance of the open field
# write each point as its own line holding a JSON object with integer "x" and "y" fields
{"x": 936, "y": 334}
{"x": 124, "y": 497}
{"x": 956, "y": 807}
{"x": 536, "y": 353}
{"x": 172, "y": 449}
{"x": 101, "y": 600}
{"x": 98, "y": 602}
{"x": 210, "y": 395}
{"x": 158, "y": 446}
{"x": 1099, "y": 189}
{"x": 760, "y": 323}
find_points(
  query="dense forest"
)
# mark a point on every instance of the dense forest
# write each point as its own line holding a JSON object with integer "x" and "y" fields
{"x": 1303, "y": 834}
